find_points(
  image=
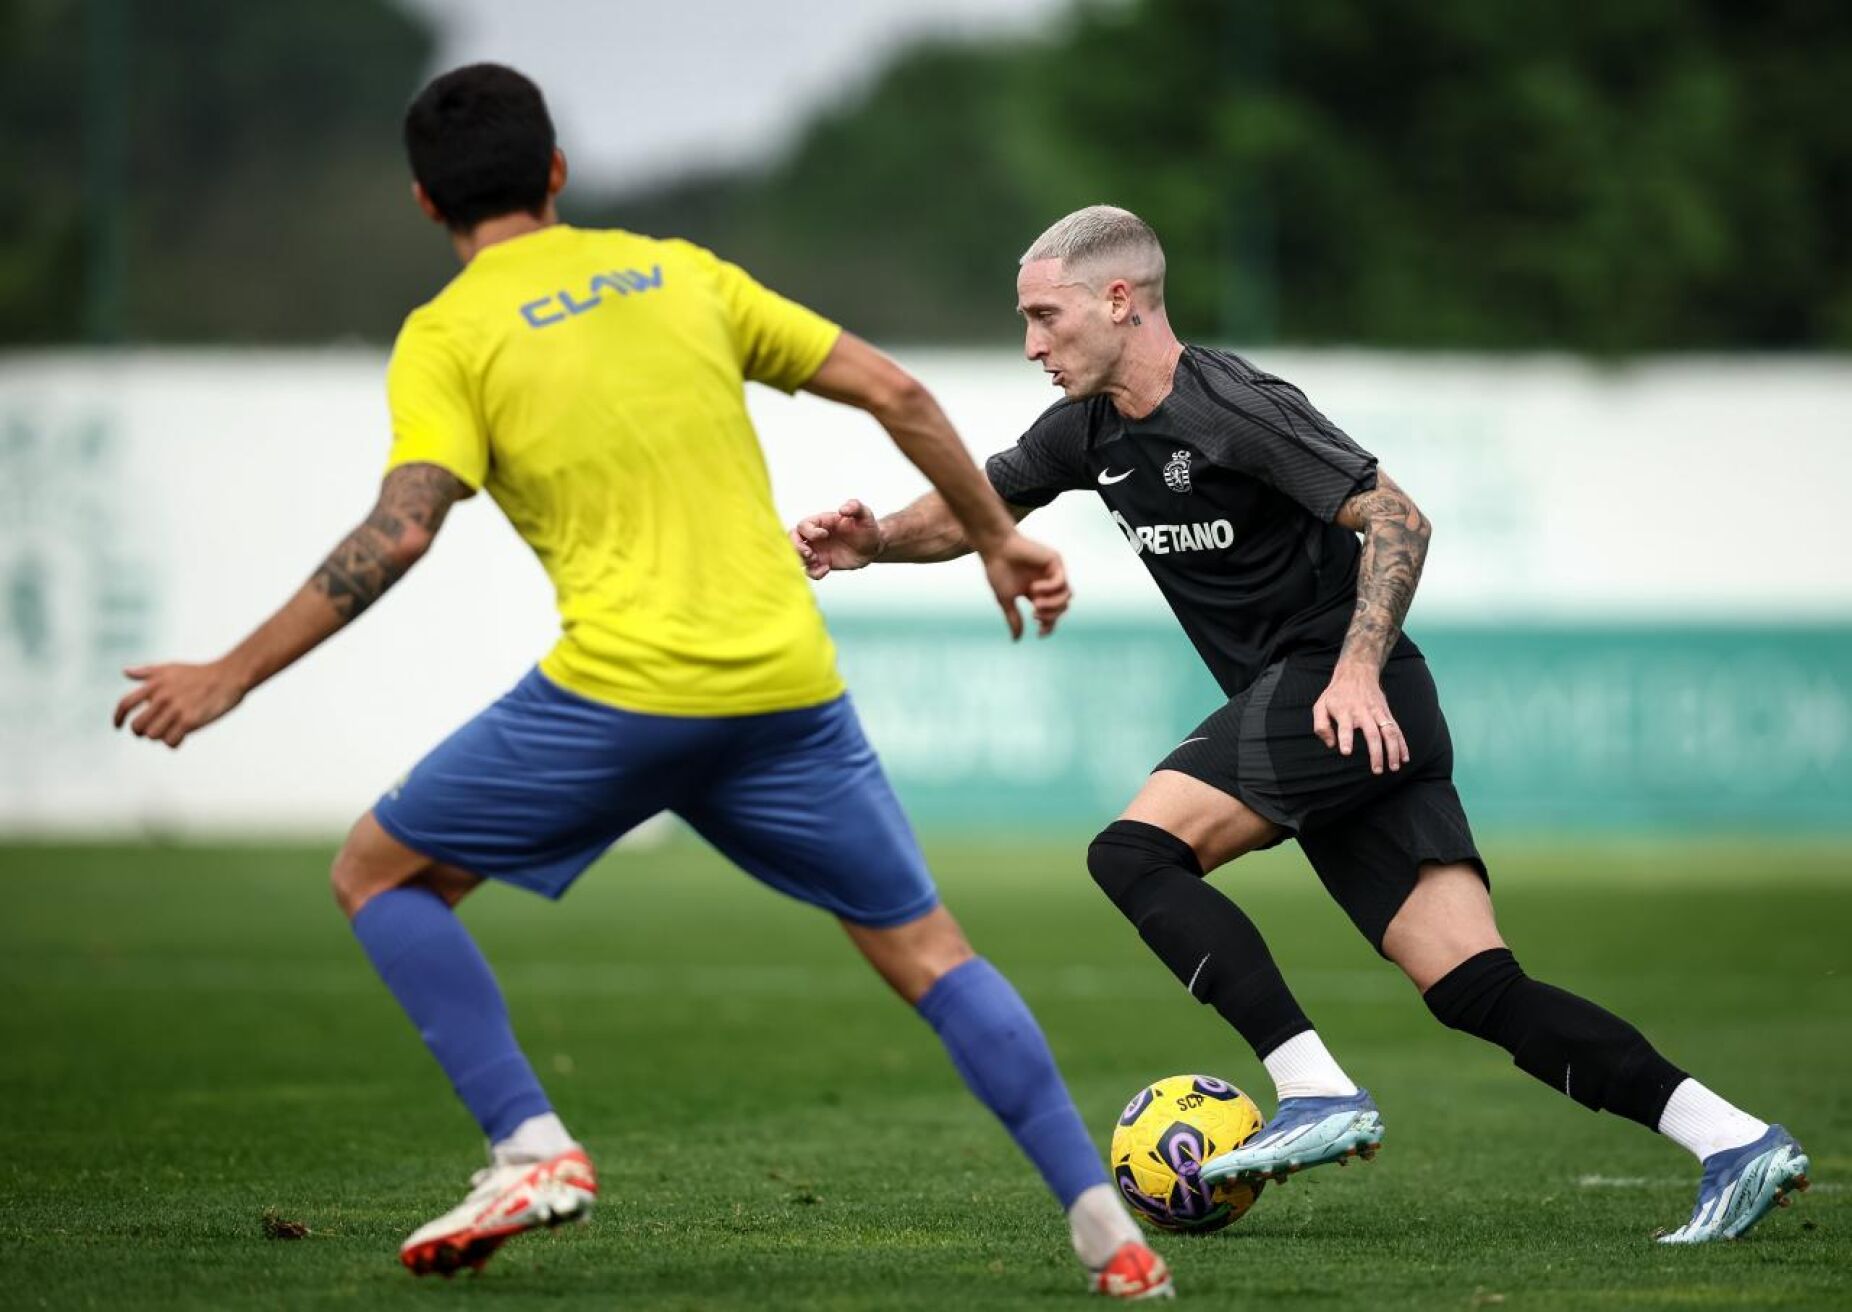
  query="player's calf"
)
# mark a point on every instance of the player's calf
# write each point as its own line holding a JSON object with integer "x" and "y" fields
{"x": 997, "y": 1046}
{"x": 1598, "y": 1059}
{"x": 1208, "y": 942}
{"x": 1575, "y": 1047}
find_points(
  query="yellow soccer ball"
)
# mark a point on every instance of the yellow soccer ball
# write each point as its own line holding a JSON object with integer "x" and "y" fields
{"x": 1163, "y": 1137}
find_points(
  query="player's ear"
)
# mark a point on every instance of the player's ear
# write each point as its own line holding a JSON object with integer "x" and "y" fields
{"x": 423, "y": 198}
{"x": 1119, "y": 300}
{"x": 556, "y": 173}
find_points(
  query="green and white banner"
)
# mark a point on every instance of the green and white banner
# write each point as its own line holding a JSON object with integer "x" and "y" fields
{"x": 1637, "y": 604}
{"x": 1570, "y": 727}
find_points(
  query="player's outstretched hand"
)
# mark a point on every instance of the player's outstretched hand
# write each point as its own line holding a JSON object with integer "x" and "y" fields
{"x": 847, "y": 538}
{"x": 1353, "y": 703}
{"x": 177, "y": 700}
{"x": 1023, "y": 567}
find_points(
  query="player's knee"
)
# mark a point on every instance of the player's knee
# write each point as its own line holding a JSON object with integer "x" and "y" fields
{"x": 354, "y": 880}
{"x": 934, "y": 965}
{"x": 1445, "y": 922}
{"x": 915, "y": 956}
{"x": 450, "y": 883}
{"x": 939, "y": 949}
{"x": 346, "y": 883}
{"x": 1467, "y": 998}
{"x": 1111, "y": 866}
{"x": 1125, "y": 853}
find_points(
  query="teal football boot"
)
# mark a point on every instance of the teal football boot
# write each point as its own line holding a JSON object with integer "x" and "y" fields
{"x": 1742, "y": 1185}
{"x": 1303, "y": 1132}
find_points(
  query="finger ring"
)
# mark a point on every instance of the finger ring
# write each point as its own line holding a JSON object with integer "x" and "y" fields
{"x": 1385, "y": 724}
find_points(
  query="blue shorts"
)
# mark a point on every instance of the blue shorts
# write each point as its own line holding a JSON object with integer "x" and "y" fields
{"x": 535, "y": 788}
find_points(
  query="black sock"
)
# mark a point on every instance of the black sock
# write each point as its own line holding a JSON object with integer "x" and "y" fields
{"x": 1207, "y": 941}
{"x": 1567, "y": 1042}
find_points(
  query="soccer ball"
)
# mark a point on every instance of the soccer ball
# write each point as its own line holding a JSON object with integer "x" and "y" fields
{"x": 1165, "y": 1134}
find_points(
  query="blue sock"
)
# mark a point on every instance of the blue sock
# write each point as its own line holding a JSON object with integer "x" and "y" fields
{"x": 999, "y": 1049}
{"x": 434, "y": 969}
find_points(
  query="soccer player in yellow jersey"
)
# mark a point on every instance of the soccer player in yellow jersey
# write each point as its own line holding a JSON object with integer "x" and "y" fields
{"x": 593, "y": 384}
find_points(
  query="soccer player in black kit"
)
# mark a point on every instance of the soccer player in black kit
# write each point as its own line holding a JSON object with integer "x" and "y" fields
{"x": 1290, "y": 560}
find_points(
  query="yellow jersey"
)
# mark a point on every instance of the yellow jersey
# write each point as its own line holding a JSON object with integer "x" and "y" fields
{"x": 594, "y": 383}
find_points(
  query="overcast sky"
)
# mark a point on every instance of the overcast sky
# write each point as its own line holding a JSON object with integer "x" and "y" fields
{"x": 643, "y": 90}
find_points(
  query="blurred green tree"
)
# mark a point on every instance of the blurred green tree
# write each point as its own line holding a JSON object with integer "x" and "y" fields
{"x": 261, "y": 194}
{"x": 1636, "y": 175}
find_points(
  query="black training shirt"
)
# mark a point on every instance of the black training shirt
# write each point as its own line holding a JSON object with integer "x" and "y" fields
{"x": 1227, "y": 492}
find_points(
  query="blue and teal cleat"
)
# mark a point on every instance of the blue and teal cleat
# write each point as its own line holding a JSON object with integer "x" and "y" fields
{"x": 1740, "y": 1186}
{"x": 1303, "y": 1132}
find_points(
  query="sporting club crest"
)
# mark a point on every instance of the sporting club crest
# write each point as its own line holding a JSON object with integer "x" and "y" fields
{"x": 1177, "y": 472}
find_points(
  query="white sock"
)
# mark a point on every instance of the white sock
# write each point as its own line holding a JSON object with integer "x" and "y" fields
{"x": 534, "y": 1140}
{"x": 1100, "y": 1224}
{"x": 1301, "y": 1067}
{"x": 1700, "y": 1122}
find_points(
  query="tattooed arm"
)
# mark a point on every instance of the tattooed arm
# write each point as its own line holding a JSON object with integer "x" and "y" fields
{"x": 177, "y": 699}
{"x": 1395, "y": 545}
{"x": 412, "y": 504}
{"x": 923, "y": 532}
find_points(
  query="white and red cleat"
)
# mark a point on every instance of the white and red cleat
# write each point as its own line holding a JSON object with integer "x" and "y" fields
{"x": 1132, "y": 1273}
{"x": 504, "y": 1200}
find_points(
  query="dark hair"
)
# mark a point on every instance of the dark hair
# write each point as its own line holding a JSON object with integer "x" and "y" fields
{"x": 480, "y": 143}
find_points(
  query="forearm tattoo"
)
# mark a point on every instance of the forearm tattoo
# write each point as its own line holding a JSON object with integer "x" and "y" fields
{"x": 923, "y": 533}
{"x": 1395, "y": 545}
{"x": 412, "y": 504}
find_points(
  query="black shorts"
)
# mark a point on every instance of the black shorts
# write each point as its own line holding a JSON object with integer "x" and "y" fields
{"x": 1366, "y": 835}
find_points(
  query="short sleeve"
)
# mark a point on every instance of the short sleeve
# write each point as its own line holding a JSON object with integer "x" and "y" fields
{"x": 1046, "y": 461}
{"x": 1280, "y": 439}
{"x": 432, "y": 397}
{"x": 780, "y": 343}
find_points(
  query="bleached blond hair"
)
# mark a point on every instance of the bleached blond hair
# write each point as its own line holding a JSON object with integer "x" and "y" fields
{"x": 1103, "y": 242}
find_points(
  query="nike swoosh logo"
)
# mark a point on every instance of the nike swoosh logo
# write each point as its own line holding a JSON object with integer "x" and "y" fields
{"x": 1187, "y": 741}
{"x": 1107, "y": 480}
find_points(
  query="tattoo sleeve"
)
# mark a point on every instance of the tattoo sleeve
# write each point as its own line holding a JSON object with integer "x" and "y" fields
{"x": 926, "y": 532}
{"x": 412, "y": 504}
{"x": 1395, "y": 546}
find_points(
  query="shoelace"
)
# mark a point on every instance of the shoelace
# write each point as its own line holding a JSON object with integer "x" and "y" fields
{"x": 481, "y": 1178}
{"x": 480, "y": 1182}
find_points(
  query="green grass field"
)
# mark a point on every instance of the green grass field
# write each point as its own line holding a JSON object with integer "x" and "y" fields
{"x": 193, "y": 1039}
